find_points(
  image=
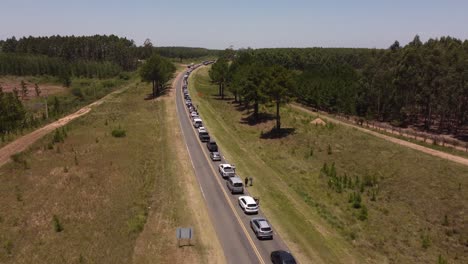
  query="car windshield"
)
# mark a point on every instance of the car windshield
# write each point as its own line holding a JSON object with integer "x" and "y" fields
{"x": 251, "y": 205}
{"x": 237, "y": 184}
{"x": 265, "y": 229}
{"x": 228, "y": 169}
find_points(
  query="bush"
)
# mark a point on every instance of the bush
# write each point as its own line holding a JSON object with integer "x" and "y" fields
{"x": 8, "y": 246}
{"x": 17, "y": 158}
{"x": 57, "y": 225}
{"x": 363, "y": 214}
{"x": 119, "y": 133}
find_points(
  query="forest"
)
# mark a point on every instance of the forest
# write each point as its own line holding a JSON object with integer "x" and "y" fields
{"x": 419, "y": 84}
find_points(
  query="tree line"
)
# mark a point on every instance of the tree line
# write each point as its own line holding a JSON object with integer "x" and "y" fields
{"x": 253, "y": 83}
{"x": 101, "y": 48}
{"x": 422, "y": 84}
{"x": 26, "y": 64}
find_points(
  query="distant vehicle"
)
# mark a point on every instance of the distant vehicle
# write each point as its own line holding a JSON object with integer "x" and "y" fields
{"x": 212, "y": 146}
{"x": 248, "y": 205}
{"x": 227, "y": 170}
{"x": 261, "y": 228}
{"x": 202, "y": 129}
{"x": 235, "y": 185}
{"x": 197, "y": 122}
{"x": 193, "y": 114}
{"x": 204, "y": 136}
{"x": 282, "y": 257}
{"x": 215, "y": 156}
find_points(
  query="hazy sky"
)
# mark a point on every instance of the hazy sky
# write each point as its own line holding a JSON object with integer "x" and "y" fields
{"x": 241, "y": 23}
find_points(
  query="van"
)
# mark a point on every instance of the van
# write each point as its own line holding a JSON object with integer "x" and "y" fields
{"x": 197, "y": 122}
{"x": 235, "y": 184}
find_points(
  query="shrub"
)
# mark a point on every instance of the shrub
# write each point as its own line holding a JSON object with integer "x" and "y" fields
{"x": 57, "y": 225}
{"x": 441, "y": 260}
{"x": 58, "y": 137}
{"x": 8, "y": 246}
{"x": 425, "y": 241}
{"x": 118, "y": 133}
{"x": 329, "y": 149}
{"x": 363, "y": 213}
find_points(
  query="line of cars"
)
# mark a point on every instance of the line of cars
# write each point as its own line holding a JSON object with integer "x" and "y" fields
{"x": 249, "y": 205}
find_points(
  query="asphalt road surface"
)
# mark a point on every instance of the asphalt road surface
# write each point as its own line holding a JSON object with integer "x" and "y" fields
{"x": 231, "y": 224}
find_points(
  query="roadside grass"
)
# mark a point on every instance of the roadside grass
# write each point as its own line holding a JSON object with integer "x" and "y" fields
{"x": 88, "y": 199}
{"x": 406, "y": 194}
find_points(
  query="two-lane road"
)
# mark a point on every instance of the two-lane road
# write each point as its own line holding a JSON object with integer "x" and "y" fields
{"x": 231, "y": 224}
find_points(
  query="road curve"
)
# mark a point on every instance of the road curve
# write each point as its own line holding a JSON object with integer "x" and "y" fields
{"x": 231, "y": 225}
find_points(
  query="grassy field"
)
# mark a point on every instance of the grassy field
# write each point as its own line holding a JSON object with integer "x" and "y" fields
{"x": 104, "y": 197}
{"x": 81, "y": 92}
{"x": 373, "y": 201}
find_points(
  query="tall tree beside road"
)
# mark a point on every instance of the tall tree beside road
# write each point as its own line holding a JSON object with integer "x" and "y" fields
{"x": 279, "y": 87}
{"x": 219, "y": 74}
{"x": 253, "y": 85}
{"x": 158, "y": 71}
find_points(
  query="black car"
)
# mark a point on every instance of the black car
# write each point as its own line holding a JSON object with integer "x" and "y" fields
{"x": 212, "y": 146}
{"x": 282, "y": 257}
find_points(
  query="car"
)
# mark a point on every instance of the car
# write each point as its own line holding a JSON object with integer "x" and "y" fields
{"x": 282, "y": 257}
{"x": 194, "y": 114}
{"x": 235, "y": 185}
{"x": 203, "y": 135}
{"x": 261, "y": 227}
{"x": 197, "y": 122}
{"x": 248, "y": 205}
{"x": 215, "y": 156}
{"x": 227, "y": 170}
{"x": 212, "y": 146}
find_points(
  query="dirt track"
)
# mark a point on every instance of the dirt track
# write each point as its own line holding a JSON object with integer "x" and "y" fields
{"x": 25, "y": 141}
{"x": 426, "y": 150}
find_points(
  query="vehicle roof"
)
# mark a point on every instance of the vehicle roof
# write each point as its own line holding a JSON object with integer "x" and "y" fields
{"x": 262, "y": 222}
{"x": 248, "y": 199}
{"x": 197, "y": 119}
{"x": 284, "y": 254}
{"x": 224, "y": 165}
{"x": 235, "y": 179}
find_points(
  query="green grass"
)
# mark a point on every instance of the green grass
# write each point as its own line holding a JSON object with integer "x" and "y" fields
{"x": 82, "y": 91}
{"x": 88, "y": 199}
{"x": 412, "y": 193}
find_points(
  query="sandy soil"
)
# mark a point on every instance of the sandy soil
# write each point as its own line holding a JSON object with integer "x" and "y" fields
{"x": 25, "y": 141}
{"x": 46, "y": 89}
{"x": 426, "y": 150}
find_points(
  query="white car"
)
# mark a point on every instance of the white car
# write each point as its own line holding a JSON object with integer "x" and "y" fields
{"x": 194, "y": 114}
{"x": 227, "y": 170}
{"x": 197, "y": 122}
{"x": 202, "y": 129}
{"x": 248, "y": 205}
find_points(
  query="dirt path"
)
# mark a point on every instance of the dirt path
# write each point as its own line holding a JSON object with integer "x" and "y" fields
{"x": 405, "y": 143}
{"x": 25, "y": 141}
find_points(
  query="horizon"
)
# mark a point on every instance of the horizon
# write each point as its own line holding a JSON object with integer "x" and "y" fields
{"x": 263, "y": 24}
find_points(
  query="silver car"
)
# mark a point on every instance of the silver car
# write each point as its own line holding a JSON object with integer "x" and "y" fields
{"x": 261, "y": 228}
{"x": 215, "y": 156}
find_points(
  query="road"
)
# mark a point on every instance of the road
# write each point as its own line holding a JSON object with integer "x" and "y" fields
{"x": 231, "y": 224}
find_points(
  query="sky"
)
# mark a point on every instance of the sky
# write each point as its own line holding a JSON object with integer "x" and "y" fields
{"x": 219, "y": 24}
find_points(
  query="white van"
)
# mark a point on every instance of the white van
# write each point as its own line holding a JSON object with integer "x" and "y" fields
{"x": 197, "y": 122}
